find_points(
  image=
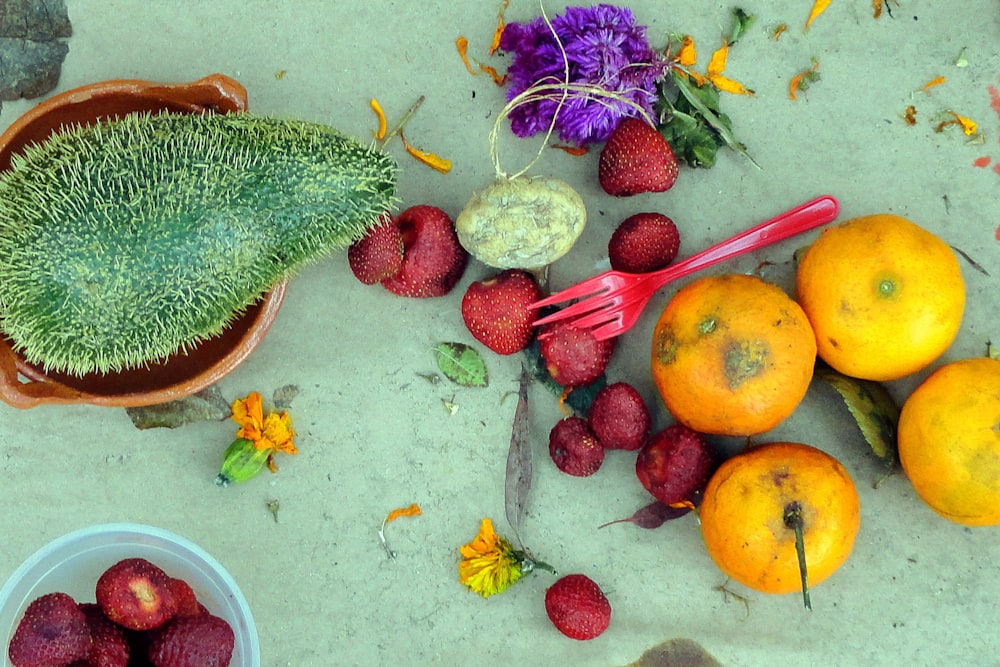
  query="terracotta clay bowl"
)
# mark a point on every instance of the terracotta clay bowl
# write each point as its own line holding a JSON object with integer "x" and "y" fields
{"x": 24, "y": 385}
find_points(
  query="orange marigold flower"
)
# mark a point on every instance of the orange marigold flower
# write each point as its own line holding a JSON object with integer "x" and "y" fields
{"x": 490, "y": 564}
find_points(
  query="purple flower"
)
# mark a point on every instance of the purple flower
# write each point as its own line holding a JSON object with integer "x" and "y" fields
{"x": 604, "y": 48}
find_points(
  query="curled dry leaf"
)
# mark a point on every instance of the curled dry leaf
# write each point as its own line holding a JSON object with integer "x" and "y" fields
{"x": 872, "y": 407}
{"x": 519, "y": 470}
{"x": 652, "y": 516}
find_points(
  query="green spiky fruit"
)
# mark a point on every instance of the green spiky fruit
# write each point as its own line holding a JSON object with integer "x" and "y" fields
{"x": 128, "y": 241}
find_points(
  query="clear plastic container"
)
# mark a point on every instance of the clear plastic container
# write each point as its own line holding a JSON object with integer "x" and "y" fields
{"x": 73, "y": 563}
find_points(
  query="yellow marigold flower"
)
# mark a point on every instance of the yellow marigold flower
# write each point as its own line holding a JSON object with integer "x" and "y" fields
{"x": 490, "y": 564}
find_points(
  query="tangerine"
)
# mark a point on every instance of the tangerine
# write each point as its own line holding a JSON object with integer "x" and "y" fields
{"x": 884, "y": 296}
{"x": 949, "y": 441}
{"x": 754, "y": 501}
{"x": 732, "y": 355}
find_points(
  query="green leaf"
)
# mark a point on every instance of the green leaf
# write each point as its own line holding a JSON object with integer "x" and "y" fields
{"x": 872, "y": 407}
{"x": 462, "y": 364}
{"x": 692, "y": 141}
{"x": 741, "y": 23}
{"x": 700, "y": 102}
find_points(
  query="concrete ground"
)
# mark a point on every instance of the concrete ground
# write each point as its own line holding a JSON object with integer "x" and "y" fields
{"x": 374, "y": 434}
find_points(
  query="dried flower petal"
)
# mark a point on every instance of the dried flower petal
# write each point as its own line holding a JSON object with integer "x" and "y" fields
{"x": 819, "y": 6}
{"x": 714, "y": 73}
{"x": 499, "y": 79}
{"x": 688, "y": 53}
{"x": 936, "y": 81}
{"x": 462, "y": 44}
{"x": 382, "y": 127}
{"x": 498, "y": 33}
{"x": 430, "y": 159}
{"x": 412, "y": 510}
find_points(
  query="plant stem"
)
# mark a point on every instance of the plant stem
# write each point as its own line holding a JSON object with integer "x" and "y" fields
{"x": 793, "y": 521}
{"x": 402, "y": 123}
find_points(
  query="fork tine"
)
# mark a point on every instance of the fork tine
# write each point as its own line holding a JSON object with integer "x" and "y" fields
{"x": 591, "y": 287}
{"x": 569, "y": 312}
{"x": 598, "y": 317}
{"x": 610, "y": 330}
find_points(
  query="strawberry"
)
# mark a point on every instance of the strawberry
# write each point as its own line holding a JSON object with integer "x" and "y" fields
{"x": 619, "y": 417}
{"x": 187, "y": 601}
{"x": 675, "y": 464}
{"x": 497, "y": 311}
{"x": 193, "y": 641}
{"x": 52, "y": 632}
{"x": 574, "y": 447}
{"x": 433, "y": 259}
{"x": 643, "y": 242}
{"x": 109, "y": 646}
{"x": 574, "y": 357}
{"x": 379, "y": 254}
{"x": 578, "y": 607}
{"x": 135, "y": 594}
{"x": 636, "y": 159}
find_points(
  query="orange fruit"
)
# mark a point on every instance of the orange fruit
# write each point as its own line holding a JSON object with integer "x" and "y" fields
{"x": 949, "y": 441}
{"x": 732, "y": 355}
{"x": 748, "y": 509}
{"x": 884, "y": 296}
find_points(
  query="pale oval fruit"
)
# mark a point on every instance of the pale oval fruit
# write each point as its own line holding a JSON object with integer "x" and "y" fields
{"x": 521, "y": 223}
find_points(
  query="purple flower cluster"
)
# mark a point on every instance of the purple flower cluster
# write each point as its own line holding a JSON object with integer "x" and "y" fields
{"x": 604, "y": 48}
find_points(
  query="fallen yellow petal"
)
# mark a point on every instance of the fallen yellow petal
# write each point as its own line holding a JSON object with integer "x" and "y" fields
{"x": 495, "y": 45}
{"x": 499, "y": 79}
{"x": 688, "y": 53}
{"x": 433, "y": 161}
{"x": 718, "y": 62}
{"x": 969, "y": 126}
{"x": 937, "y": 81}
{"x": 412, "y": 510}
{"x": 819, "y": 6}
{"x": 727, "y": 85}
{"x": 462, "y": 44}
{"x": 377, "y": 108}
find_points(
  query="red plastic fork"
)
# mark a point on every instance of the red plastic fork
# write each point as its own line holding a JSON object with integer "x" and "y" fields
{"x": 615, "y": 299}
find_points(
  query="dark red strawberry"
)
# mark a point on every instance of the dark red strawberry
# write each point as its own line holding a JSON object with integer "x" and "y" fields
{"x": 498, "y": 313}
{"x": 53, "y": 631}
{"x": 433, "y": 259}
{"x": 578, "y": 607}
{"x": 644, "y": 242}
{"x": 619, "y": 417}
{"x": 184, "y": 595}
{"x": 574, "y": 357}
{"x": 193, "y": 641}
{"x": 109, "y": 646}
{"x": 574, "y": 447}
{"x": 675, "y": 464}
{"x": 636, "y": 159}
{"x": 379, "y": 254}
{"x": 136, "y": 594}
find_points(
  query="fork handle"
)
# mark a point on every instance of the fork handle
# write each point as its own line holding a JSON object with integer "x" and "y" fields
{"x": 802, "y": 218}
